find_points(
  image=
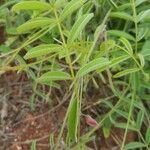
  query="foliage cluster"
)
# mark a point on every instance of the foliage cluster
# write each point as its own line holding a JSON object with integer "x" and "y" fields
{"x": 82, "y": 42}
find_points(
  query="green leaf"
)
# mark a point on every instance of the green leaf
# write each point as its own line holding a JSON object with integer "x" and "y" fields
{"x": 106, "y": 132}
{"x": 34, "y": 24}
{"x": 122, "y": 15}
{"x": 142, "y": 60}
{"x": 127, "y": 44}
{"x": 4, "y": 48}
{"x": 118, "y": 60}
{"x": 53, "y": 76}
{"x": 93, "y": 65}
{"x": 71, "y": 7}
{"x": 134, "y": 145}
{"x": 142, "y": 33}
{"x": 135, "y": 81}
{"x": 138, "y": 2}
{"x": 146, "y": 50}
{"x": 31, "y": 5}
{"x": 33, "y": 145}
{"x": 79, "y": 26}
{"x": 52, "y": 84}
{"x": 113, "y": 4}
{"x": 73, "y": 120}
{"x": 124, "y": 125}
{"x": 140, "y": 119}
{"x": 121, "y": 34}
{"x": 107, "y": 45}
{"x": 145, "y": 97}
{"x": 42, "y": 50}
{"x": 125, "y": 6}
{"x": 125, "y": 72}
{"x": 106, "y": 127}
{"x": 142, "y": 15}
{"x": 147, "y": 136}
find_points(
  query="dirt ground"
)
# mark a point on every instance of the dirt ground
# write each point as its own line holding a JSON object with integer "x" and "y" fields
{"x": 19, "y": 125}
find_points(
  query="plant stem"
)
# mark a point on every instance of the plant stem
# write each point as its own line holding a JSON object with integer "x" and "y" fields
{"x": 64, "y": 42}
{"x": 136, "y": 25}
{"x": 129, "y": 117}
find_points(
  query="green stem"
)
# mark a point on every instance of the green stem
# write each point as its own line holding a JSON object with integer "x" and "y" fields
{"x": 136, "y": 25}
{"x": 129, "y": 117}
{"x": 64, "y": 42}
{"x": 102, "y": 26}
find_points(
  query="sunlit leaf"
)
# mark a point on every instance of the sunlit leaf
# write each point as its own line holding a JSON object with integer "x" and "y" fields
{"x": 53, "y": 76}
{"x": 118, "y": 60}
{"x": 70, "y": 8}
{"x": 93, "y": 65}
{"x": 42, "y": 50}
{"x": 73, "y": 120}
{"x": 122, "y": 15}
{"x": 31, "y": 5}
{"x": 119, "y": 33}
{"x": 142, "y": 15}
{"x": 35, "y": 24}
{"x": 125, "y": 72}
{"x": 79, "y": 26}
{"x": 127, "y": 44}
{"x": 107, "y": 45}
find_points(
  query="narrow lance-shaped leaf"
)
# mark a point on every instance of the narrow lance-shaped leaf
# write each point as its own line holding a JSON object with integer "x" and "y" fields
{"x": 134, "y": 145}
{"x": 31, "y": 5}
{"x": 118, "y": 60}
{"x": 142, "y": 15}
{"x": 33, "y": 145}
{"x": 123, "y": 126}
{"x": 138, "y": 2}
{"x": 142, "y": 60}
{"x": 142, "y": 33}
{"x": 140, "y": 119}
{"x": 121, "y": 34}
{"x": 124, "y": 6}
{"x": 79, "y": 26}
{"x": 53, "y": 76}
{"x": 122, "y": 15}
{"x": 42, "y": 50}
{"x": 146, "y": 50}
{"x": 127, "y": 44}
{"x": 71, "y": 7}
{"x": 34, "y": 24}
{"x": 125, "y": 72}
{"x": 147, "y": 136}
{"x": 93, "y": 65}
{"x": 73, "y": 120}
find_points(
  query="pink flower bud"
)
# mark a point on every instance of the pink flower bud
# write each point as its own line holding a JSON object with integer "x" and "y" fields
{"x": 90, "y": 121}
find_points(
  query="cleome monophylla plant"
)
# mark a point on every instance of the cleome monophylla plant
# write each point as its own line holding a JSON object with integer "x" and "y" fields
{"x": 82, "y": 42}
